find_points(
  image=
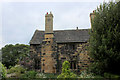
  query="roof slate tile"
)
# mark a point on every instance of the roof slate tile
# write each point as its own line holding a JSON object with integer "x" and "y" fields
{"x": 63, "y": 36}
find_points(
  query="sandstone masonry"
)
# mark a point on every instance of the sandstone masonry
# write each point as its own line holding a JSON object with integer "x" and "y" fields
{"x": 51, "y": 48}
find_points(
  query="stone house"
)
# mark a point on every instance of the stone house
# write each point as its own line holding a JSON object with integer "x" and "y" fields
{"x": 51, "y": 48}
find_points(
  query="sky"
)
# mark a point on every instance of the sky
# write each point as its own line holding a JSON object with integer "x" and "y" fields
{"x": 20, "y": 18}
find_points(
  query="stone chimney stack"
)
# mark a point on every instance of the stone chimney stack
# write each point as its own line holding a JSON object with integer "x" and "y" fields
{"x": 47, "y": 59}
{"x": 49, "y": 23}
{"x": 92, "y": 16}
{"x": 76, "y": 28}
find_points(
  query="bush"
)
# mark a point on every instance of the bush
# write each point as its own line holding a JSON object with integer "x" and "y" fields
{"x": 109, "y": 75}
{"x": 2, "y": 71}
{"x": 41, "y": 75}
{"x": 29, "y": 74}
{"x": 16, "y": 71}
{"x": 17, "y": 68}
{"x": 96, "y": 69}
{"x": 84, "y": 74}
{"x": 51, "y": 75}
{"x": 66, "y": 73}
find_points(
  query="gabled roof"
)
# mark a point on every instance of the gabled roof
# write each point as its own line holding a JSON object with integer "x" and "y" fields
{"x": 63, "y": 36}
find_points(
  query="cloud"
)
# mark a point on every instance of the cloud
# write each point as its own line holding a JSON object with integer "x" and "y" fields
{"x": 0, "y": 25}
{"x": 74, "y": 15}
{"x": 54, "y": 0}
{"x": 21, "y": 19}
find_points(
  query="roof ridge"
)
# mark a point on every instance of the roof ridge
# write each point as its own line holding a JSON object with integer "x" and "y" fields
{"x": 66, "y": 30}
{"x": 39, "y": 30}
{"x": 72, "y": 30}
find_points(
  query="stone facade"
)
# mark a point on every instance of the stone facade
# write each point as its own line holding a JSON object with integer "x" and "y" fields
{"x": 75, "y": 53}
{"x": 51, "y": 48}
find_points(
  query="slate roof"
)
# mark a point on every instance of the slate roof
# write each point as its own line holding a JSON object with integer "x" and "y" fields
{"x": 63, "y": 36}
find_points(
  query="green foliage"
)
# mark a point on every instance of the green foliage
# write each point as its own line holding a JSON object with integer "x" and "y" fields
{"x": 20, "y": 72}
{"x": 108, "y": 75}
{"x": 30, "y": 74}
{"x": 11, "y": 54}
{"x": 66, "y": 73}
{"x": 16, "y": 69}
{"x": 105, "y": 39}
{"x": 84, "y": 74}
{"x": 0, "y": 55}
{"x": 51, "y": 75}
{"x": 41, "y": 75}
{"x": 2, "y": 71}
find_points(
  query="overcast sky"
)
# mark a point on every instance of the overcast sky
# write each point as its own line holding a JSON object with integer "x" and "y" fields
{"x": 20, "y": 19}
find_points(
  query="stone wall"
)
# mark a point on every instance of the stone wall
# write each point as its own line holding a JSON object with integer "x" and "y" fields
{"x": 35, "y": 56}
{"x": 75, "y": 53}
{"x": 51, "y": 55}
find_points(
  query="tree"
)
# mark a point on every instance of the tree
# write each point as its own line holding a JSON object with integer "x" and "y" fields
{"x": 11, "y": 54}
{"x": 3, "y": 71}
{"x": 105, "y": 39}
{"x": 66, "y": 73}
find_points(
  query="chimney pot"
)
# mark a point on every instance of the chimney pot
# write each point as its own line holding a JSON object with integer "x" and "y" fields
{"x": 77, "y": 28}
